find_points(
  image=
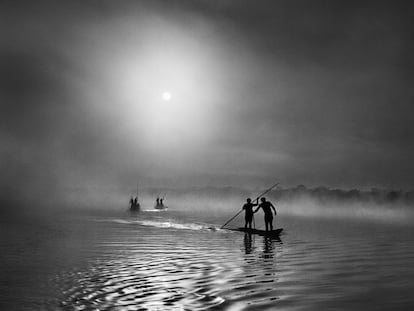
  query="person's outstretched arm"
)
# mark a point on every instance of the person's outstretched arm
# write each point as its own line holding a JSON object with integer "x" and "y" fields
{"x": 257, "y": 209}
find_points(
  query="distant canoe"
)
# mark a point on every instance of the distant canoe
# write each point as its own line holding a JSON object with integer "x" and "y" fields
{"x": 161, "y": 207}
{"x": 258, "y": 231}
{"x": 135, "y": 207}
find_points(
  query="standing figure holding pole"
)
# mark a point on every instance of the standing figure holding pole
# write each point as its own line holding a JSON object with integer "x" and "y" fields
{"x": 267, "y": 207}
{"x": 248, "y": 216}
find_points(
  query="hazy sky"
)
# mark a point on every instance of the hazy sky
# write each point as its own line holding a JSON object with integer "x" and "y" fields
{"x": 312, "y": 92}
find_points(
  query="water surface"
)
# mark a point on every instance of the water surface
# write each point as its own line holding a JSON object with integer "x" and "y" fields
{"x": 171, "y": 260}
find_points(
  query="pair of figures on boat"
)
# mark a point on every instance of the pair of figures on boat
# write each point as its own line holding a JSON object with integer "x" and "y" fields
{"x": 133, "y": 202}
{"x": 266, "y": 206}
{"x": 159, "y": 203}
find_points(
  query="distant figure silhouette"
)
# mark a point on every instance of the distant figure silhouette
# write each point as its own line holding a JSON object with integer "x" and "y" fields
{"x": 161, "y": 202}
{"x": 267, "y": 207}
{"x": 131, "y": 201}
{"x": 248, "y": 216}
{"x": 158, "y": 201}
{"x": 136, "y": 201}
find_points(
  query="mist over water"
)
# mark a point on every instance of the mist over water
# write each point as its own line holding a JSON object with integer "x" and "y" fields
{"x": 208, "y": 202}
{"x": 93, "y": 253}
{"x": 226, "y": 201}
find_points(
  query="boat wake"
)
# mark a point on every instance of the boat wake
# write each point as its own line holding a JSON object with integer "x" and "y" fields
{"x": 169, "y": 224}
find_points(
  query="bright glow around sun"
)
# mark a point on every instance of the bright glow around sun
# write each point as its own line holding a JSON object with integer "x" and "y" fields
{"x": 166, "y": 96}
{"x": 169, "y": 92}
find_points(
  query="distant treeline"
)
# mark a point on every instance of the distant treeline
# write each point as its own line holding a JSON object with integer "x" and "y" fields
{"x": 324, "y": 194}
{"x": 321, "y": 194}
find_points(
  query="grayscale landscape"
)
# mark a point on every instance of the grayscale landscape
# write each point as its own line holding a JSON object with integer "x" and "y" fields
{"x": 206, "y": 155}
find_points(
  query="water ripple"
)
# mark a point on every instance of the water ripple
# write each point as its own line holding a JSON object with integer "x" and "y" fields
{"x": 149, "y": 266}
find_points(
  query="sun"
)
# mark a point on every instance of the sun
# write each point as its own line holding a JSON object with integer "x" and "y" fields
{"x": 166, "y": 96}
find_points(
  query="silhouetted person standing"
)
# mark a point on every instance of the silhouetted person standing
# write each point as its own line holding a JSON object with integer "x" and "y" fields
{"x": 157, "y": 201}
{"x": 267, "y": 207}
{"x": 248, "y": 216}
{"x": 161, "y": 202}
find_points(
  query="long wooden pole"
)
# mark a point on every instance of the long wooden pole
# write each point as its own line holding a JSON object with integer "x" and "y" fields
{"x": 262, "y": 194}
{"x": 231, "y": 219}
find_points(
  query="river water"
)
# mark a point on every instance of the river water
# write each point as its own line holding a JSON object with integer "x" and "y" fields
{"x": 174, "y": 260}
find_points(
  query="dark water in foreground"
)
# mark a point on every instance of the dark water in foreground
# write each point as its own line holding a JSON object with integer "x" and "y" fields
{"x": 174, "y": 261}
